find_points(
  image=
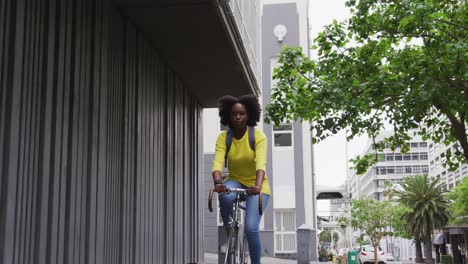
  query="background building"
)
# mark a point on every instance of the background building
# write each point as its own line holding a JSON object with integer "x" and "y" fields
{"x": 393, "y": 166}
{"x": 100, "y": 124}
{"x": 289, "y": 164}
{"x": 437, "y": 158}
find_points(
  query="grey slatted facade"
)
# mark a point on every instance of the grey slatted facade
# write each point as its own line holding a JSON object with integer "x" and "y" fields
{"x": 99, "y": 141}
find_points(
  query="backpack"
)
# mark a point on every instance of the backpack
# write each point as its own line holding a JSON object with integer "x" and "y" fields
{"x": 229, "y": 141}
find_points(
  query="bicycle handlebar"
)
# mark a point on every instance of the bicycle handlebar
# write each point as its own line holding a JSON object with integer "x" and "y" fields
{"x": 235, "y": 190}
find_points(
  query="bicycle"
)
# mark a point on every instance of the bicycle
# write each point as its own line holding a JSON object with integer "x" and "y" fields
{"x": 236, "y": 247}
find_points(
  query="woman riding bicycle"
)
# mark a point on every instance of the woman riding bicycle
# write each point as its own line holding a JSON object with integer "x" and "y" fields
{"x": 246, "y": 166}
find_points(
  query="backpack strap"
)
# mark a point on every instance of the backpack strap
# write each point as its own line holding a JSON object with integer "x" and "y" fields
{"x": 252, "y": 138}
{"x": 228, "y": 145}
{"x": 229, "y": 142}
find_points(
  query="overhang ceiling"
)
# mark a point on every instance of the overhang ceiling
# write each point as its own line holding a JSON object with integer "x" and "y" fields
{"x": 200, "y": 41}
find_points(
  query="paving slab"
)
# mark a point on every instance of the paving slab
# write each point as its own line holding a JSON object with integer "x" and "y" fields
{"x": 211, "y": 258}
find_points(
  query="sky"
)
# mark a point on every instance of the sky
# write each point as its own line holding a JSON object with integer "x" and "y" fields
{"x": 332, "y": 153}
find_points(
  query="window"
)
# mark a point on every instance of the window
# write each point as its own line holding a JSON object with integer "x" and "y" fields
{"x": 437, "y": 163}
{"x": 390, "y": 169}
{"x": 283, "y": 135}
{"x": 408, "y": 169}
{"x": 283, "y": 139}
{"x": 407, "y": 157}
{"x": 423, "y": 156}
{"x": 399, "y": 169}
{"x": 414, "y": 144}
{"x": 424, "y": 168}
{"x": 398, "y": 156}
{"x": 416, "y": 169}
{"x": 422, "y": 144}
{"x": 389, "y": 157}
{"x": 381, "y": 183}
{"x": 414, "y": 156}
{"x": 381, "y": 170}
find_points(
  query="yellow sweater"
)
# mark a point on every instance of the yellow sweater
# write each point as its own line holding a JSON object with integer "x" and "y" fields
{"x": 243, "y": 162}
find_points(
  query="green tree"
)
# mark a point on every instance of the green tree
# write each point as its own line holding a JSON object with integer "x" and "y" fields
{"x": 429, "y": 204}
{"x": 396, "y": 62}
{"x": 362, "y": 240}
{"x": 325, "y": 236}
{"x": 374, "y": 219}
{"x": 399, "y": 226}
{"x": 459, "y": 206}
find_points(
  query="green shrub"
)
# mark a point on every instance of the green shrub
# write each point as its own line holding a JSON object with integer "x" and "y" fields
{"x": 323, "y": 254}
{"x": 446, "y": 259}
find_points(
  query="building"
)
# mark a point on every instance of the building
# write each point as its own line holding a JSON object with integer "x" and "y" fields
{"x": 437, "y": 158}
{"x": 100, "y": 124}
{"x": 393, "y": 166}
{"x": 289, "y": 165}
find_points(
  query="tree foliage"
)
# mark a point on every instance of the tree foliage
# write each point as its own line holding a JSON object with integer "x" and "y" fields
{"x": 396, "y": 62}
{"x": 325, "y": 236}
{"x": 427, "y": 199}
{"x": 399, "y": 225}
{"x": 362, "y": 240}
{"x": 459, "y": 206}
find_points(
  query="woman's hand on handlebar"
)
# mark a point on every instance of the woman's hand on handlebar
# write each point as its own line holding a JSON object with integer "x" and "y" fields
{"x": 254, "y": 190}
{"x": 220, "y": 188}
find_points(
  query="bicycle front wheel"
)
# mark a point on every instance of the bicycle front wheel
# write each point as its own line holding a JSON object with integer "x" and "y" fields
{"x": 232, "y": 246}
{"x": 243, "y": 250}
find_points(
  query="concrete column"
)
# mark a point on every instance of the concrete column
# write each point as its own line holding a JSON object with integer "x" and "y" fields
{"x": 306, "y": 244}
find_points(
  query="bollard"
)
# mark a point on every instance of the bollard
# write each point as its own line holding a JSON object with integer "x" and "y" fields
{"x": 306, "y": 244}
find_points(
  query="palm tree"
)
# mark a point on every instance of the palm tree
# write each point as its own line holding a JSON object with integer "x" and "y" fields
{"x": 430, "y": 210}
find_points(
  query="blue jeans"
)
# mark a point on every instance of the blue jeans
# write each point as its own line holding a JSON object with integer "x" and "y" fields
{"x": 252, "y": 217}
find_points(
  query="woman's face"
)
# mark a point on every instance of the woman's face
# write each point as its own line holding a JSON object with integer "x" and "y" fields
{"x": 239, "y": 116}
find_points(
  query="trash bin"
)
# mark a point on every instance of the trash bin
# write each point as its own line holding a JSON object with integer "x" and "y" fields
{"x": 352, "y": 257}
{"x": 344, "y": 259}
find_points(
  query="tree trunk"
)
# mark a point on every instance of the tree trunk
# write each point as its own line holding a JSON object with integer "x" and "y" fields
{"x": 376, "y": 257}
{"x": 428, "y": 247}
{"x": 417, "y": 241}
{"x": 459, "y": 129}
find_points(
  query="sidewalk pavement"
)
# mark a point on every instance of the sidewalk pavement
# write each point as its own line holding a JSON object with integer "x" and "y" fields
{"x": 211, "y": 258}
